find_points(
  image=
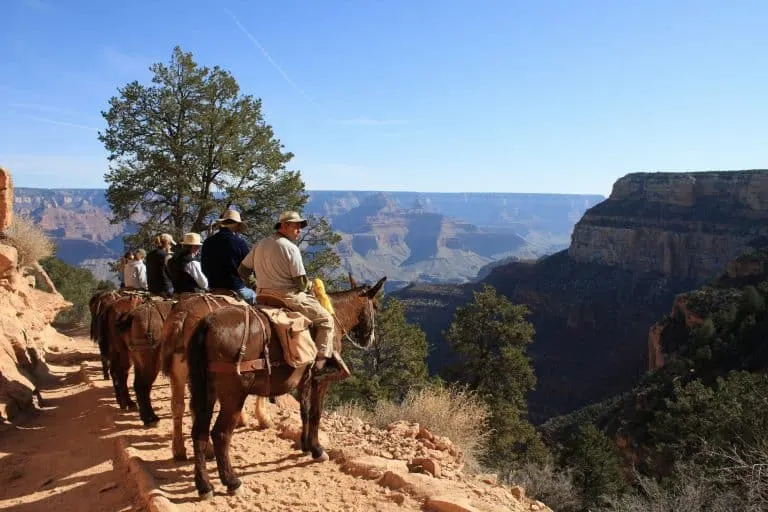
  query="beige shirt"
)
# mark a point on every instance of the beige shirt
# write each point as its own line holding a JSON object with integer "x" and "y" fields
{"x": 275, "y": 262}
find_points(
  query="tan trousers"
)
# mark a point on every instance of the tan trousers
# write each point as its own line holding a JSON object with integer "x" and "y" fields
{"x": 310, "y": 307}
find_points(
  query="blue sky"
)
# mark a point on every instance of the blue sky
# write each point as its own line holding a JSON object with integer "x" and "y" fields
{"x": 442, "y": 96}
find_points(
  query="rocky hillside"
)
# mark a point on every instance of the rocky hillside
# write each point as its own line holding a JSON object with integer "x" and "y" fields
{"x": 25, "y": 316}
{"x": 658, "y": 234}
{"x": 406, "y": 236}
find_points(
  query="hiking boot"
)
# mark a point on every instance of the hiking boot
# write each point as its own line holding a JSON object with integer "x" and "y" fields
{"x": 334, "y": 369}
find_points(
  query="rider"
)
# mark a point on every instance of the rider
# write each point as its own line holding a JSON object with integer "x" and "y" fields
{"x": 135, "y": 271}
{"x": 279, "y": 270}
{"x": 158, "y": 276}
{"x": 222, "y": 253}
{"x": 184, "y": 268}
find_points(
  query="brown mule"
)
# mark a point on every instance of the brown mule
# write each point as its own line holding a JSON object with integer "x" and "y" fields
{"x": 95, "y": 306}
{"x": 234, "y": 352}
{"x": 119, "y": 359}
{"x": 140, "y": 332}
{"x": 181, "y": 322}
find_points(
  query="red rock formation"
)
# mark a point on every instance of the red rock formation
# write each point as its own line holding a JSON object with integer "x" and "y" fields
{"x": 6, "y": 199}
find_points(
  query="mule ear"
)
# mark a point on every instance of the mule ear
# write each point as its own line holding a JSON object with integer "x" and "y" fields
{"x": 373, "y": 291}
{"x": 352, "y": 282}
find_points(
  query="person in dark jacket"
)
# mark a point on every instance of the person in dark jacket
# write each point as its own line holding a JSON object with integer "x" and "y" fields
{"x": 158, "y": 276}
{"x": 222, "y": 254}
{"x": 184, "y": 268}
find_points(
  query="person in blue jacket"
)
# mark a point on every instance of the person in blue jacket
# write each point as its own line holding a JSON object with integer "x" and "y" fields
{"x": 222, "y": 253}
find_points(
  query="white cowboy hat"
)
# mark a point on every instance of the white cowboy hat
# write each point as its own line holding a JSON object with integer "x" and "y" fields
{"x": 291, "y": 217}
{"x": 191, "y": 239}
{"x": 230, "y": 216}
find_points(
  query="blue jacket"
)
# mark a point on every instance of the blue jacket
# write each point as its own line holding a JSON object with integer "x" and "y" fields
{"x": 220, "y": 256}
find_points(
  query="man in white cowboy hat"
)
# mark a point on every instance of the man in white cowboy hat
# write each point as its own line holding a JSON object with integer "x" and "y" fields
{"x": 186, "y": 274}
{"x": 222, "y": 253}
{"x": 279, "y": 269}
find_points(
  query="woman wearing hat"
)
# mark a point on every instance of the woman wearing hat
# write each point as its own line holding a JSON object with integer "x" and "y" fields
{"x": 184, "y": 268}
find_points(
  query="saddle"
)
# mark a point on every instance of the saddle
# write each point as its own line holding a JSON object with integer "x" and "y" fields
{"x": 293, "y": 330}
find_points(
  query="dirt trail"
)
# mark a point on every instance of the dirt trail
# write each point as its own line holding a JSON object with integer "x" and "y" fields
{"x": 71, "y": 455}
{"x": 62, "y": 458}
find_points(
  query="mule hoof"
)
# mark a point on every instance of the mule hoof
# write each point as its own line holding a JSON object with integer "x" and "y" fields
{"x": 180, "y": 457}
{"x": 323, "y": 457}
{"x": 131, "y": 406}
{"x": 235, "y": 489}
{"x": 151, "y": 423}
{"x": 204, "y": 496}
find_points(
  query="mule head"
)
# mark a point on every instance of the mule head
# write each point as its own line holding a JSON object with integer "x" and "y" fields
{"x": 364, "y": 333}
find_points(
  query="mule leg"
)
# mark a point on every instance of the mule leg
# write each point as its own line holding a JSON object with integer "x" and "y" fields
{"x": 178, "y": 379}
{"x": 142, "y": 383}
{"x": 305, "y": 398}
{"x": 260, "y": 411}
{"x": 114, "y": 372}
{"x": 319, "y": 390}
{"x": 230, "y": 408}
{"x": 201, "y": 426}
{"x": 105, "y": 367}
{"x": 124, "y": 368}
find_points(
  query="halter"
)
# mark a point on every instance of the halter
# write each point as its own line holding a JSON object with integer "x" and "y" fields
{"x": 345, "y": 333}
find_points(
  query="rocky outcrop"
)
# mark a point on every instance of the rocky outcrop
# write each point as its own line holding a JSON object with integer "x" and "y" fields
{"x": 687, "y": 225}
{"x": 6, "y": 199}
{"x": 25, "y": 317}
{"x": 25, "y": 332}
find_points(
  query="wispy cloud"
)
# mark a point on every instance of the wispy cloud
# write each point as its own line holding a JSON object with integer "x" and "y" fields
{"x": 126, "y": 63}
{"x": 270, "y": 59}
{"x": 367, "y": 121}
{"x": 62, "y": 123}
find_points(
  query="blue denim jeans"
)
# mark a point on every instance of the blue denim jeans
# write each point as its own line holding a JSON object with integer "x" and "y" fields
{"x": 247, "y": 294}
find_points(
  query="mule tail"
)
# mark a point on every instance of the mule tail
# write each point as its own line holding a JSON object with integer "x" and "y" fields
{"x": 197, "y": 361}
{"x": 103, "y": 330}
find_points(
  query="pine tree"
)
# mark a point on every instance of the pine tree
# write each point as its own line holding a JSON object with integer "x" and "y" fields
{"x": 491, "y": 335}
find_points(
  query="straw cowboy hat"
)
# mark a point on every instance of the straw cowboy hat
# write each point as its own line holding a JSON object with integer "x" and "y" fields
{"x": 291, "y": 217}
{"x": 191, "y": 239}
{"x": 229, "y": 217}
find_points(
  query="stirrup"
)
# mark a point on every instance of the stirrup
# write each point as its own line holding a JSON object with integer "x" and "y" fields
{"x": 335, "y": 369}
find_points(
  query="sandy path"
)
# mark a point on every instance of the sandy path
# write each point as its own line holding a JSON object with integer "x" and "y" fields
{"x": 61, "y": 458}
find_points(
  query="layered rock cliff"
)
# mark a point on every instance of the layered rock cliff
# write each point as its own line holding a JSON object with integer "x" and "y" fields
{"x": 659, "y": 234}
{"x": 686, "y": 225}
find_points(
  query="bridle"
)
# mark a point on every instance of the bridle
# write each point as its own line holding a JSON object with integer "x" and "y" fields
{"x": 345, "y": 333}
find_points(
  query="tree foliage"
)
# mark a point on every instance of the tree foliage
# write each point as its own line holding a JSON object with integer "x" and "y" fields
{"x": 76, "y": 285}
{"x": 188, "y": 146}
{"x": 395, "y": 365}
{"x": 491, "y": 335}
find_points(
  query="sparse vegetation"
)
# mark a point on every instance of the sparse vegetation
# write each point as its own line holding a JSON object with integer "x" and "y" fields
{"x": 454, "y": 412}
{"x": 30, "y": 241}
{"x": 548, "y": 484}
{"x": 75, "y": 284}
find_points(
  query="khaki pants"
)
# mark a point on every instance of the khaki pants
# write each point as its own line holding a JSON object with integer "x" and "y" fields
{"x": 310, "y": 307}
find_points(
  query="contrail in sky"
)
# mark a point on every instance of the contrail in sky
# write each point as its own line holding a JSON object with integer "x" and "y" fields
{"x": 270, "y": 59}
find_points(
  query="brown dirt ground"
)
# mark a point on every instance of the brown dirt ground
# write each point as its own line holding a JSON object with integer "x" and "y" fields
{"x": 61, "y": 457}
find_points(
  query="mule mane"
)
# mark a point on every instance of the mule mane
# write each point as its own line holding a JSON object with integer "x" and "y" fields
{"x": 344, "y": 295}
